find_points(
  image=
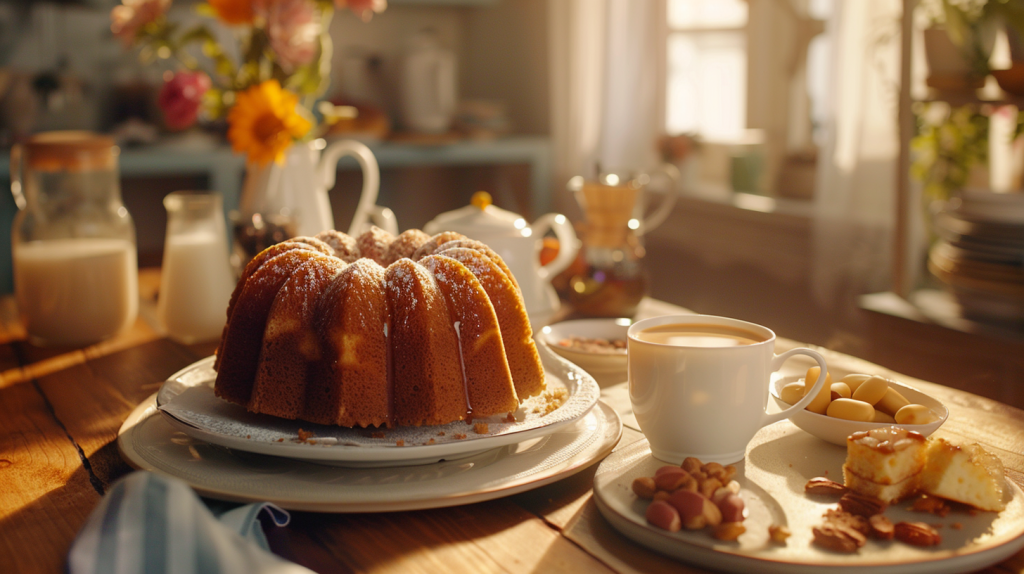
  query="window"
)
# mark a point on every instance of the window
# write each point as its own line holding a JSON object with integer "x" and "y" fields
{"x": 707, "y": 68}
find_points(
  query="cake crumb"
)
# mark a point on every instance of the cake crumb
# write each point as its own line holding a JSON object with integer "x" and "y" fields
{"x": 459, "y": 436}
{"x": 553, "y": 399}
{"x": 440, "y": 433}
{"x": 311, "y": 441}
{"x": 481, "y": 428}
{"x": 511, "y": 418}
{"x": 956, "y": 526}
{"x": 399, "y": 442}
{"x": 305, "y": 435}
{"x": 280, "y": 440}
{"x": 377, "y": 435}
{"x": 431, "y": 441}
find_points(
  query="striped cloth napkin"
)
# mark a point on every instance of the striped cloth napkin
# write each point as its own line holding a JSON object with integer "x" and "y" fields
{"x": 152, "y": 524}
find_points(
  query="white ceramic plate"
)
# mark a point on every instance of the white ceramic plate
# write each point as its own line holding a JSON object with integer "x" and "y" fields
{"x": 835, "y": 431}
{"x": 603, "y": 366}
{"x": 779, "y": 462}
{"x": 188, "y": 402}
{"x": 147, "y": 441}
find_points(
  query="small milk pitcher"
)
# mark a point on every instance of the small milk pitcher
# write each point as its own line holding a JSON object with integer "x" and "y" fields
{"x": 73, "y": 241}
{"x": 197, "y": 279}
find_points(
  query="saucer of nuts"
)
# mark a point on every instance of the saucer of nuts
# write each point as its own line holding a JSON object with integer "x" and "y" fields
{"x": 855, "y": 402}
{"x": 785, "y": 509}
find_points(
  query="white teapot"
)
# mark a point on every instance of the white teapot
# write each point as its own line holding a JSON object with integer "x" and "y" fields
{"x": 519, "y": 244}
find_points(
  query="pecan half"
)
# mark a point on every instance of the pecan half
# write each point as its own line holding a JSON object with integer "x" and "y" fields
{"x": 881, "y": 527}
{"x": 824, "y": 486}
{"x": 917, "y": 534}
{"x": 837, "y": 539}
{"x": 847, "y": 520}
{"x": 861, "y": 505}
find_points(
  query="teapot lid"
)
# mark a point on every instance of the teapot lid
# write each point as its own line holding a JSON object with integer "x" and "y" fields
{"x": 480, "y": 217}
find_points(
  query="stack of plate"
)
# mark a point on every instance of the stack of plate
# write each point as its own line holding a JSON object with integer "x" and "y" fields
{"x": 980, "y": 254}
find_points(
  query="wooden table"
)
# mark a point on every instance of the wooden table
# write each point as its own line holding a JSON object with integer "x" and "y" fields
{"x": 60, "y": 411}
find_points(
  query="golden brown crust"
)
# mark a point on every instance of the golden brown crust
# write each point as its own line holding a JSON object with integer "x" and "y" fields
{"x": 436, "y": 241}
{"x": 487, "y": 377}
{"x": 343, "y": 245}
{"x": 405, "y": 245}
{"x": 428, "y": 385}
{"x": 482, "y": 248}
{"x": 374, "y": 243}
{"x": 351, "y": 386}
{"x": 516, "y": 333}
{"x": 290, "y": 344}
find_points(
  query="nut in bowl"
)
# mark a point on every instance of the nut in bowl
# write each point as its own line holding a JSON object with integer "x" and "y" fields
{"x": 919, "y": 412}
{"x": 598, "y": 346}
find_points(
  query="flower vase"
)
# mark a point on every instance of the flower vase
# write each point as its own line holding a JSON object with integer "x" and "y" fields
{"x": 280, "y": 200}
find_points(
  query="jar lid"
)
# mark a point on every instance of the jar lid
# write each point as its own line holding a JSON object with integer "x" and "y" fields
{"x": 70, "y": 151}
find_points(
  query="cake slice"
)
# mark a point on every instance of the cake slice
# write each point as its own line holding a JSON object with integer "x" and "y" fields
{"x": 884, "y": 463}
{"x": 967, "y": 474}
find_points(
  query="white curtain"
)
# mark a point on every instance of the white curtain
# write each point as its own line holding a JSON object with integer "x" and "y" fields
{"x": 855, "y": 196}
{"x": 606, "y": 107}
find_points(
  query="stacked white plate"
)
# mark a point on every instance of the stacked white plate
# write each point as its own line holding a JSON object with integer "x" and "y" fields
{"x": 980, "y": 254}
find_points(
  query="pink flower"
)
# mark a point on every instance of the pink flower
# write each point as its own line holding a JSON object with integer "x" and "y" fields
{"x": 365, "y": 9}
{"x": 180, "y": 98}
{"x": 294, "y": 30}
{"x": 127, "y": 19}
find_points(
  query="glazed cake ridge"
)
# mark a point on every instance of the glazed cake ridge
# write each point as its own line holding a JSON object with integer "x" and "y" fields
{"x": 372, "y": 345}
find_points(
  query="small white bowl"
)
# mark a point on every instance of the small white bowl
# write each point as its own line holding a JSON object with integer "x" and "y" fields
{"x": 835, "y": 431}
{"x": 606, "y": 368}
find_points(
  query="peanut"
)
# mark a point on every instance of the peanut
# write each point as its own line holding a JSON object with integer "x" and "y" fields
{"x": 851, "y": 410}
{"x": 881, "y": 417}
{"x": 915, "y": 415}
{"x": 690, "y": 506}
{"x": 709, "y": 486}
{"x": 728, "y": 531}
{"x": 872, "y": 390}
{"x": 691, "y": 464}
{"x": 792, "y": 393}
{"x": 672, "y": 480}
{"x": 664, "y": 516}
{"x": 854, "y": 380}
{"x": 891, "y": 402}
{"x": 662, "y": 495}
{"x": 644, "y": 487}
{"x": 841, "y": 389}
{"x": 820, "y": 401}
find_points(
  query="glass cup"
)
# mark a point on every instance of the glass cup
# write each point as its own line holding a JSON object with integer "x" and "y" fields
{"x": 706, "y": 396}
{"x": 196, "y": 280}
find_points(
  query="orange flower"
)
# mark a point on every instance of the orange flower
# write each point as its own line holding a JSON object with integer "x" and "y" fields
{"x": 264, "y": 122}
{"x": 233, "y": 11}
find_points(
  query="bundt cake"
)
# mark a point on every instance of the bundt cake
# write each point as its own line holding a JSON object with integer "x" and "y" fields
{"x": 378, "y": 330}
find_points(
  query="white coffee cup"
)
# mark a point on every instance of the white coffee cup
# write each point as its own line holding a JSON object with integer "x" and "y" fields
{"x": 706, "y": 401}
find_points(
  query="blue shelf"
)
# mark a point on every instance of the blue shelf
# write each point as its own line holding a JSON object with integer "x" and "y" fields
{"x": 226, "y": 170}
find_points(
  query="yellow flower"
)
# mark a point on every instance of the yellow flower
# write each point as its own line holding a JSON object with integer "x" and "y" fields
{"x": 264, "y": 122}
{"x": 233, "y": 11}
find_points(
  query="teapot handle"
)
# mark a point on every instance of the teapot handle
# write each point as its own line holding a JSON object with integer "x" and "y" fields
{"x": 567, "y": 243}
{"x": 371, "y": 177}
{"x": 19, "y": 195}
{"x": 667, "y": 202}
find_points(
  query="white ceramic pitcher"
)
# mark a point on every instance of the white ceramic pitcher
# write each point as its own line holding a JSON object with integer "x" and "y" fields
{"x": 300, "y": 185}
{"x": 519, "y": 244}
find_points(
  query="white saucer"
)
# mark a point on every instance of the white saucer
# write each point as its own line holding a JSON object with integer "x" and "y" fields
{"x": 186, "y": 399}
{"x": 779, "y": 462}
{"x": 147, "y": 441}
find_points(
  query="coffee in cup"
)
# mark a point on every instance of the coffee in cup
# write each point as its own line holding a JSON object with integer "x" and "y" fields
{"x": 698, "y": 384}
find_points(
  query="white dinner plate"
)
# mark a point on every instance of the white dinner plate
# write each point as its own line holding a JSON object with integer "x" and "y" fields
{"x": 779, "y": 462}
{"x": 147, "y": 441}
{"x": 188, "y": 402}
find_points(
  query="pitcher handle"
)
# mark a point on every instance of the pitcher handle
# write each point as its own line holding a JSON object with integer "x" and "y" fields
{"x": 383, "y": 218}
{"x": 667, "y": 203}
{"x": 567, "y": 243}
{"x": 806, "y": 400}
{"x": 371, "y": 177}
{"x": 19, "y": 196}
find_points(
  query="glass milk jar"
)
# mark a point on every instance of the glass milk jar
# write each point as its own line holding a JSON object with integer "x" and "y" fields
{"x": 73, "y": 241}
{"x": 196, "y": 279}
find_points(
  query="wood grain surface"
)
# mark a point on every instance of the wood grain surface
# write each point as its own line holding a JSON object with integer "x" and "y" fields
{"x": 60, "y": 410}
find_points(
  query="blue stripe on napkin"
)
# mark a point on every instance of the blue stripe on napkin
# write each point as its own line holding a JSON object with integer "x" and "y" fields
{"x": 150, "y": 524}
